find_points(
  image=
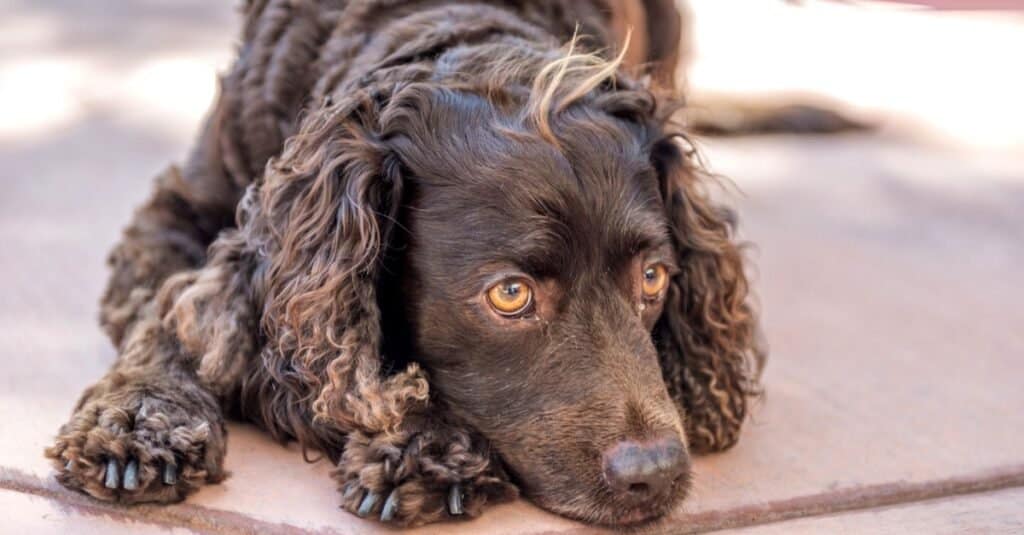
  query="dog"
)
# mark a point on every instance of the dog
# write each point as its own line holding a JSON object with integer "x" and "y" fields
{"x": 458, "y": 248}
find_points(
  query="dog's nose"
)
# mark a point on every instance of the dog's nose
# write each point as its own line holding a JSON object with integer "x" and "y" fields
{"x": 643, "y": 469}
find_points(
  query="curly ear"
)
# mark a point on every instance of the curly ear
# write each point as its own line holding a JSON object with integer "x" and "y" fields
{"x": 706, "y": 334}
{"x": 324, "y": 212}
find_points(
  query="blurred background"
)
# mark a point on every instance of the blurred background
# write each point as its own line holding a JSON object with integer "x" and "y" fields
{"x": 887, "y": 260}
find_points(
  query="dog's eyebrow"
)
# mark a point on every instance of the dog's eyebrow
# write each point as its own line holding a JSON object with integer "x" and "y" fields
{"x": 543, "y": 247}
{"x": 552, "y": 241}
{"x": 639, "y": 232}
{"x": 640, "y": 225}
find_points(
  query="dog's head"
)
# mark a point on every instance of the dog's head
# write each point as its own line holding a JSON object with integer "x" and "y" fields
{"x": 540, "y": 246}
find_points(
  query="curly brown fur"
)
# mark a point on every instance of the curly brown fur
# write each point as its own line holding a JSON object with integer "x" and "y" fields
{"x": 383, "y": 161}
{"x": 708, "y": 318}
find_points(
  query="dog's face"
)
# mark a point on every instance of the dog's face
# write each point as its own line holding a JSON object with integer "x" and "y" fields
{"x": 529, "y": 278}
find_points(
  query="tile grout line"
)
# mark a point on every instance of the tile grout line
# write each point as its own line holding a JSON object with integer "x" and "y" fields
{"x": 856, "y": 499}
{"x": 185, "y": 515}
{"x": 867, "y": 497}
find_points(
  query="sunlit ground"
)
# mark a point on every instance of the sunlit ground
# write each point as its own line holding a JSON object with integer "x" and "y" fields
{"x": 952, "y": 76}
{"x": 168, "y": 90}
{"x": 956, "y": 74}
{"x": 48, "y": 80}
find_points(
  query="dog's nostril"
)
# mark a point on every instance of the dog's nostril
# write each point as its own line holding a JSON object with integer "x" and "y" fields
{"x": 638, "y": 488}
{"x": 642, "y": 469}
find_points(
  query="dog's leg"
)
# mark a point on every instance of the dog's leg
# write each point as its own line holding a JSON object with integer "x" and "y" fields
{"x": 186, "y": 211}
{"x": 152, "y": 429}
{"x": 433, "y": 471}
{"x": 167, "y": 235}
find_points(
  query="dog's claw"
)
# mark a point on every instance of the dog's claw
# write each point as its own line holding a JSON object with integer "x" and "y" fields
{"x": 349, "y": 490}
{"x": 170, "y": 474}
{"x": 367, "y": 504}
{"x": 455, "y": 499}
{"x": 390, "y": 507}
{"x": 69, "y": 465}
{"x": 113, "y": 479}
{"x": 131, "y": 475}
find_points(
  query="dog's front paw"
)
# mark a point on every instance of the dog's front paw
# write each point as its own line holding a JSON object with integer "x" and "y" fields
{"x": 411, "y": 502}
{"x": 137, "y": 445}
{"x": 418, "y": 479}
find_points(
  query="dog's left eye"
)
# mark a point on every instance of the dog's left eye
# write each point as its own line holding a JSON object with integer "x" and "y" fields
{"x": 655, "y": 278}
{"x": 510, "y": 297}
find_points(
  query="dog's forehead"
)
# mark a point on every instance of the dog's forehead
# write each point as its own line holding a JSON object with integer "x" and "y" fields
{"x": 534, "y": 204}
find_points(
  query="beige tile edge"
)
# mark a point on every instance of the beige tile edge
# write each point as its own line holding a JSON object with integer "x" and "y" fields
{"x": 184, "y": 515}
{"x": 208, "y": 520}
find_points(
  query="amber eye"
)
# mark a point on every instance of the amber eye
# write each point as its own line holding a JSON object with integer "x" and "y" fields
{"x": 510, "y": 297}
{"x": 655, "y": 280}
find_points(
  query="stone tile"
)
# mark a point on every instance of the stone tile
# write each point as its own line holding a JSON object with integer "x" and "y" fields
{"x": 991, "y": 513}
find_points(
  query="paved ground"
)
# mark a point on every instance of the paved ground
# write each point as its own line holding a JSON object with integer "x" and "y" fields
{"x": 889, "y": 275}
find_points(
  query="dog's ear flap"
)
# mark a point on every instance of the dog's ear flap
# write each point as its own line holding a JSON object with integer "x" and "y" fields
{"x": 326, "y": 206}
{"x": 706, "y": 334}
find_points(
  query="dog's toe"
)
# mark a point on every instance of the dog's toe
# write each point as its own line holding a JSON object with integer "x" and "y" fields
{"x": 170, "y": 474}
{"x": 367, "y": 505}
{"x": 387, "y": 513}
{"x": 113, "y": 478}
{"x": 455, "y": 500}
{"x": 130, "y": 480}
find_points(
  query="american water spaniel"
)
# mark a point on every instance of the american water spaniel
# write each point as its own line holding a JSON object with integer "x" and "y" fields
{"x": 457, "y": 248}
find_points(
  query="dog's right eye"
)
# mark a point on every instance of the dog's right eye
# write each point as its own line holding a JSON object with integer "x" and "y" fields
{"x": 655, "y": 278}
{"x": 510, "y": 297}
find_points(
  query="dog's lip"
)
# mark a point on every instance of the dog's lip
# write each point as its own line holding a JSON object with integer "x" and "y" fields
{"x": 641, "y": 515}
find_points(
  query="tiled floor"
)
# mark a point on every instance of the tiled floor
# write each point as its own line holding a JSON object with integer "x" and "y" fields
{"x": 888, "y": 273}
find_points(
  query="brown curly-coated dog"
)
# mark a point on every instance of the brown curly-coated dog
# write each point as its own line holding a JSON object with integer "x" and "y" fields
{"x": 460, "y": 259}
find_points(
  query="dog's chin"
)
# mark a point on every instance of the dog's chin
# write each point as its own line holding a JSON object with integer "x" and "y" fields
{"x": 635, "y": 518}
{"x": 611, "y": 514}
